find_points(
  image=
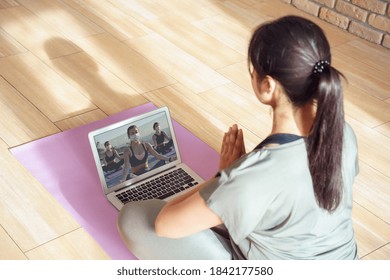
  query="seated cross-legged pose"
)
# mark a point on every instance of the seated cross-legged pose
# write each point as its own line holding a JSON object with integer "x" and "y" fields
{"x": 110, "y": 156}
{"x": 290, "y": 197}
{"x": 159, "y": 138}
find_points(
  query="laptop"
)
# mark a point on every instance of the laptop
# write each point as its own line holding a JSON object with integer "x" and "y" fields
{"x": 157, "y": 172}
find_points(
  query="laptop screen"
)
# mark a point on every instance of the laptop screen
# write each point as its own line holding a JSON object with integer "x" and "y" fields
{"x": 131, "y": 150}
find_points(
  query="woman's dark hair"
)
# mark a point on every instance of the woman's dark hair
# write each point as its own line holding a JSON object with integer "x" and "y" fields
{"x": 155, "y": 124}
{"x": 287, "y": 49}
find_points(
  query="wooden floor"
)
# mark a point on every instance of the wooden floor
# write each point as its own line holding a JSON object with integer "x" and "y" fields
{"x": 65, "y": 63}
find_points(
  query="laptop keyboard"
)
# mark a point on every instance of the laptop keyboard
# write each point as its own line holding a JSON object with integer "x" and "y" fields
{"x": 159, "y": 188}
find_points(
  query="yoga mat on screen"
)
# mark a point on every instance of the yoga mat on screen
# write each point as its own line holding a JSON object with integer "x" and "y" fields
{"x": 63, "y": 163}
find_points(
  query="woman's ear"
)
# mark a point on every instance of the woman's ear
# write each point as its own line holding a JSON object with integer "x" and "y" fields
{"x": 268, "y": 85}
{"x": 265, "y": 89}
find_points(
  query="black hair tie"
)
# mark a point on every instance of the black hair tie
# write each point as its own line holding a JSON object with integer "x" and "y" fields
{"x": 320, "y": 66}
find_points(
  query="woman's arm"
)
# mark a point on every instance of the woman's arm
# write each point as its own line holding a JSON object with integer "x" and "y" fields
{"x": 117, "y": 155}
{"x": 126, "y": 166}
{"x": 185, "y": 215}
{"x": 154, "y": 140}
{"x": 166, "y": 136}
{"x": 104, "y": 159}
{"x": 153, "y": 152}
{"x": 189, "y": 213}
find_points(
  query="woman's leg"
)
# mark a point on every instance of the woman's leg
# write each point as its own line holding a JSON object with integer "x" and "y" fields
{"x": 120, "y": 163}
{"x": 158, "y": 164}
{"x": 109, "y": 167}
{"x": 136, "y": 226}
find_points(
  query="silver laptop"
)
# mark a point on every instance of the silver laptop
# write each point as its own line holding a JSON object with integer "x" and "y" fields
{"x": 156, "y": 172}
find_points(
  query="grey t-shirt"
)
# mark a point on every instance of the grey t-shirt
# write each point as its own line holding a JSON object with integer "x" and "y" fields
{"x": 267, "y": 203}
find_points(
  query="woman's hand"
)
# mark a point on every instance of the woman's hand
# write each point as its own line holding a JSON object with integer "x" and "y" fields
{"x": 233, "y": 147}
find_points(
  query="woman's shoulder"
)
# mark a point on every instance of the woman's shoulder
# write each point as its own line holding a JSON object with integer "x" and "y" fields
{"x": 348, "y": 131}
{"x": 146, "y": 145}
{"x": 126, "y": 150}
{"x": 262, "y": 168}
{"x": 350, "y": 140}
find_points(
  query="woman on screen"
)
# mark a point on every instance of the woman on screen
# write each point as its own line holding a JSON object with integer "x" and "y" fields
{"x": 110, "y": 157}
{"x": 136, "y": 156}
{"x": 159, "y": 138}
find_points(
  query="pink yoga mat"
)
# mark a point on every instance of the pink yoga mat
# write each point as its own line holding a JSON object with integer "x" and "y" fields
{"x": 63, "y": 163}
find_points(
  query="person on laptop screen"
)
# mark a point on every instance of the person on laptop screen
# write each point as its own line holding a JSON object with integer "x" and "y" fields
{"x": 289, "y": 198}
{"x": 159, "y": 138}
{"x": 110, "y": 156}
{"x": 136, "y": 156}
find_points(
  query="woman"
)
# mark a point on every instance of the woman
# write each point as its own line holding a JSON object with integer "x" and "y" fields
{"x": 137, "y": 155}
{"x": 289, "y": 198}
{"x": 159, "y": 138}
{"x": 110, "y": 154}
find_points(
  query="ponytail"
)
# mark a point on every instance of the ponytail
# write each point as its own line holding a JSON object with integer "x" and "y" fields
{"x": 325, "y": 141}
{"x": 295, "y": 52}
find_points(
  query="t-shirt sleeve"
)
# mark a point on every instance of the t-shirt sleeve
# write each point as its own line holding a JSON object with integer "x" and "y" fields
{"x": 352, "y": 146}
{"x": 225, "y": 195}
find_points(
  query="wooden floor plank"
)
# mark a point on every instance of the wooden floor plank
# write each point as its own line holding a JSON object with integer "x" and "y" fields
{"x": 272, "y": 10}
{"x": 142, "y": 10}
{"x": 374, "y": 147}
{"x": 9, "y": 250}
{"x": 371, "y": 232}
{"x": 98, "y": 84}
{"x": 183, "y": 67}
{"x": 43, "y": 87}
{"x": 231, "y": 33}
{"x": 191, "y": 10}
{"x": 109, "y": 17}
{"x": 8, "y": 4}
{"x": 8, "y": 45}
{"x": 372, "y": 55}
{"x": 62, "y": 17}
{"x": 145, "y": 11}
{"x": 362, "y": 75}
{"x": 384, "y": 129}
{"x": 382, "y": 253}
{"x": 239, "y": 74}
{"x": 32, "y": 32}
{"x": 244, "y": 13}
{"x": 81, "y": 120}
{"x": 364, "y": 107}
{"x": 240, "y": 104}
{"x": 125, "y": 63}
{"x": 21, "y": 121}
{"x": 371, "y": 191}
{"x": 198, "y": 44}
{"x": 67, "y": 247}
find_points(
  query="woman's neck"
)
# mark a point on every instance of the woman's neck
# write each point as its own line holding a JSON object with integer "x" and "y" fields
{"x": 293, "y": 120}
{"x": 135, "y": 143}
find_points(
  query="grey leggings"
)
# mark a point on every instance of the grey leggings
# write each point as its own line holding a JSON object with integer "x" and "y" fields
{"x": 136, "y": 226}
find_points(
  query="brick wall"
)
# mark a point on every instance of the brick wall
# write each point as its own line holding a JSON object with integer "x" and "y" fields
{"x": 368, "y": 19}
